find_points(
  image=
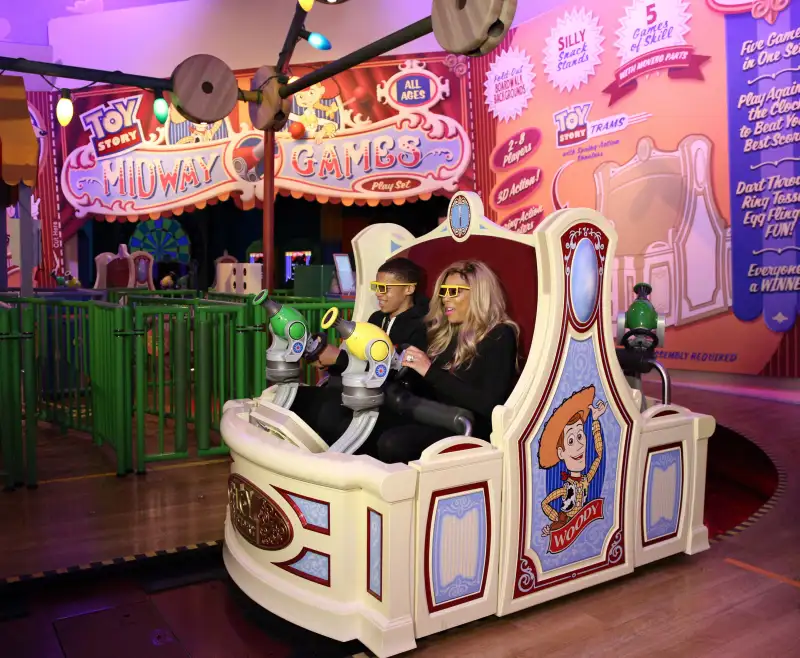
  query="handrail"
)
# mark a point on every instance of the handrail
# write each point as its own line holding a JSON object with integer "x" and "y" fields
{"x": 666, "y": 382}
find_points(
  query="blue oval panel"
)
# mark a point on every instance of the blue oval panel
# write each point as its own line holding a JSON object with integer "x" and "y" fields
{"x": 460, "y": 217}
{"x": 584, "y": 280}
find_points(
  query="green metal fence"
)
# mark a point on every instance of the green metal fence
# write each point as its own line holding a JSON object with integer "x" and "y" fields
{"x": 17, "y": 397}
{"x": 62, "y": 338}
{"x": 121, "y": 295}
{"x": 110, "y": 389}
{"x": 161, "y": 358}
{"x": 146, "y": 374}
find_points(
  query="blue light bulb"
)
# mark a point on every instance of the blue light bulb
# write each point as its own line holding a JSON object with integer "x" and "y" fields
{"x": 319, "y": 41}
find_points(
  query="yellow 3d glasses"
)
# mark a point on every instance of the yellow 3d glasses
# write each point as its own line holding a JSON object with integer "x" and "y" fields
{"x": 446, "y": 292}
{"x": 383, "y": 288}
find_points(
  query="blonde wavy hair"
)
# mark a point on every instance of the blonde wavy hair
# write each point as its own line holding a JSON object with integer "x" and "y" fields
{"x": 487, "y": 309}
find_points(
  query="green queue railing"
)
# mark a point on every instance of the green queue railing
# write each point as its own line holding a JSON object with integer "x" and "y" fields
{"x": 17, "y": 397}
{"x": 137, "y": 372}
{"x": 111, "y": 394}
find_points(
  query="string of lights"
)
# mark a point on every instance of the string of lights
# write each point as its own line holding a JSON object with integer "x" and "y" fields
{"x": 64, "y": 107}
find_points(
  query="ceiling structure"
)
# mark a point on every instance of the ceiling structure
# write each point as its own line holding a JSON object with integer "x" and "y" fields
{"x": 26, "y": 22}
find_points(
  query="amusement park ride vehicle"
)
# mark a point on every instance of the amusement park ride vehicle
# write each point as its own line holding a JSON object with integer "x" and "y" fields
{"x": 583, "y": 479}
{"x": 353, "y": 548}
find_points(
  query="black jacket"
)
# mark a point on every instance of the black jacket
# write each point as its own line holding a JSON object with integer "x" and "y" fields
{"x": 408, "y": 328}
{"x": 482, "y": 385}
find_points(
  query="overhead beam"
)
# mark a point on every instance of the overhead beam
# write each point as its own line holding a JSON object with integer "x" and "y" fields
{"x": 375, "y": 49}
{"x": 292, "y": 37}
{"x": 22, "y": 65}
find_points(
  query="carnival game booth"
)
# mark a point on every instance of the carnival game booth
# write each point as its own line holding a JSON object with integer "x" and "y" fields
{"x": 577, "y": 487}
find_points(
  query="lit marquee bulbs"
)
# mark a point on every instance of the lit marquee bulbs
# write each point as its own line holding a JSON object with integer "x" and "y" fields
{"x": 160, "y": 109}
{"x": 64, "y": 108}
{"x": 319, "y": 41}
{"x": 315, "y": 39}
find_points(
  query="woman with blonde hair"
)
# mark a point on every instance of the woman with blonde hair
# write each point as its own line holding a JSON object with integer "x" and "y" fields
{"x": 471, "y": 361}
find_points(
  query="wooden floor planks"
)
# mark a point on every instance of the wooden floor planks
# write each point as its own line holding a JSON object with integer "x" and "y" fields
{"x": 705, "y": 605}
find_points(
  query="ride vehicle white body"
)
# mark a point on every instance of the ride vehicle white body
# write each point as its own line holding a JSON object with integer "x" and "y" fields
{"x": 352, "y": 548}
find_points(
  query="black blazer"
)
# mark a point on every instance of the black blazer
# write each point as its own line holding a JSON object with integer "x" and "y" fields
{"x": 481, "y": 385}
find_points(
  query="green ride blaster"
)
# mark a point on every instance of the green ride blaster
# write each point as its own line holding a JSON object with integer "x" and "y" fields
{"x": 290, "y": 343}
{"x": 641, "y": 327}
{"x": 639, "y": 332}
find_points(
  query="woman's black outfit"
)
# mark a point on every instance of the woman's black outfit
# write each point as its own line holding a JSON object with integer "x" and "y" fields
{"x": 479, "y": 387}
{"x": 321, "y": 406}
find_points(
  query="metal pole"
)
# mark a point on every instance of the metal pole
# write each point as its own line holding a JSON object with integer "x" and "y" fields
{"x": 3, "y": 250}
{"x": 292, "y": 36}
{"x": 374, "y": 49}
{"x": 268, "y": 216}
{"x": 666, "y": 383}
{"x": 22, "y": 65}
{"x": 26, "y": 238}
{"x": 268, "y": 204}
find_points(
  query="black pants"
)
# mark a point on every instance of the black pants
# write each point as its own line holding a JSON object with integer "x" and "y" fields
{"x": 395, "y": 439}
{"x": 321, "y": 408}
{"x": 399, "y": 441}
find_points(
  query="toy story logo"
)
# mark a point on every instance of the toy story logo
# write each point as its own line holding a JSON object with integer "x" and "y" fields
{"x": 572, "y": 51}
{"x": 256, "y": 517}
{"x": 323, "y": 150}
{"x": 651, "y": 39}
{"x": 573, "y": 126}
{"x": 122, "y": 172}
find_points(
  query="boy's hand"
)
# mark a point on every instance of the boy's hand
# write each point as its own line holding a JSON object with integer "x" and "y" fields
{"x": 328, "y": 356}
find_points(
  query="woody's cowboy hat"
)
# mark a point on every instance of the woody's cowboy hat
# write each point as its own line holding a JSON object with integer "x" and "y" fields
{"x": 577, "y": 403}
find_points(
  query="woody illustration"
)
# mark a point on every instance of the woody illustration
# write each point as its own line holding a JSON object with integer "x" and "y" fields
{"x": 308, "y": 102}
{"x": 564, "y": 440}
{"x": 198, "y": 132}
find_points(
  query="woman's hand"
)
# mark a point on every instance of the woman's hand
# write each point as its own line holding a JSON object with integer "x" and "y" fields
{"x": 417, "y": 360}
{"x": 328, "y": 356}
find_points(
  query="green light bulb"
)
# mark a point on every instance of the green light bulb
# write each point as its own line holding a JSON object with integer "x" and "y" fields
{"x": 161, "y": 109}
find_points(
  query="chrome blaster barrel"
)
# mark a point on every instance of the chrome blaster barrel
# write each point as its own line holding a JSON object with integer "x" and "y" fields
{"x": 370, "y": 355}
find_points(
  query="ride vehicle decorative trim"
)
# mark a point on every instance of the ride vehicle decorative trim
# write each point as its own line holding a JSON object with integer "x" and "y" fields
{"x": 314, "y": 514}
{"x": 662, "y": 494}
{"x": 310, "y": 565}
{"x": 458, "y": 543}
{"x": 375, "y": 553}
{"x": 256, "y": 517}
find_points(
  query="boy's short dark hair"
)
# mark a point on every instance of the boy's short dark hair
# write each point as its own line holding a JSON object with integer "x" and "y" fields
{"x": 403, "y": 269}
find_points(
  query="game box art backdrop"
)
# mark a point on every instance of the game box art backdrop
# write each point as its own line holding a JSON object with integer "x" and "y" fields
{"x": 390, "y": 131}
{"x": 679, "y": 120}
